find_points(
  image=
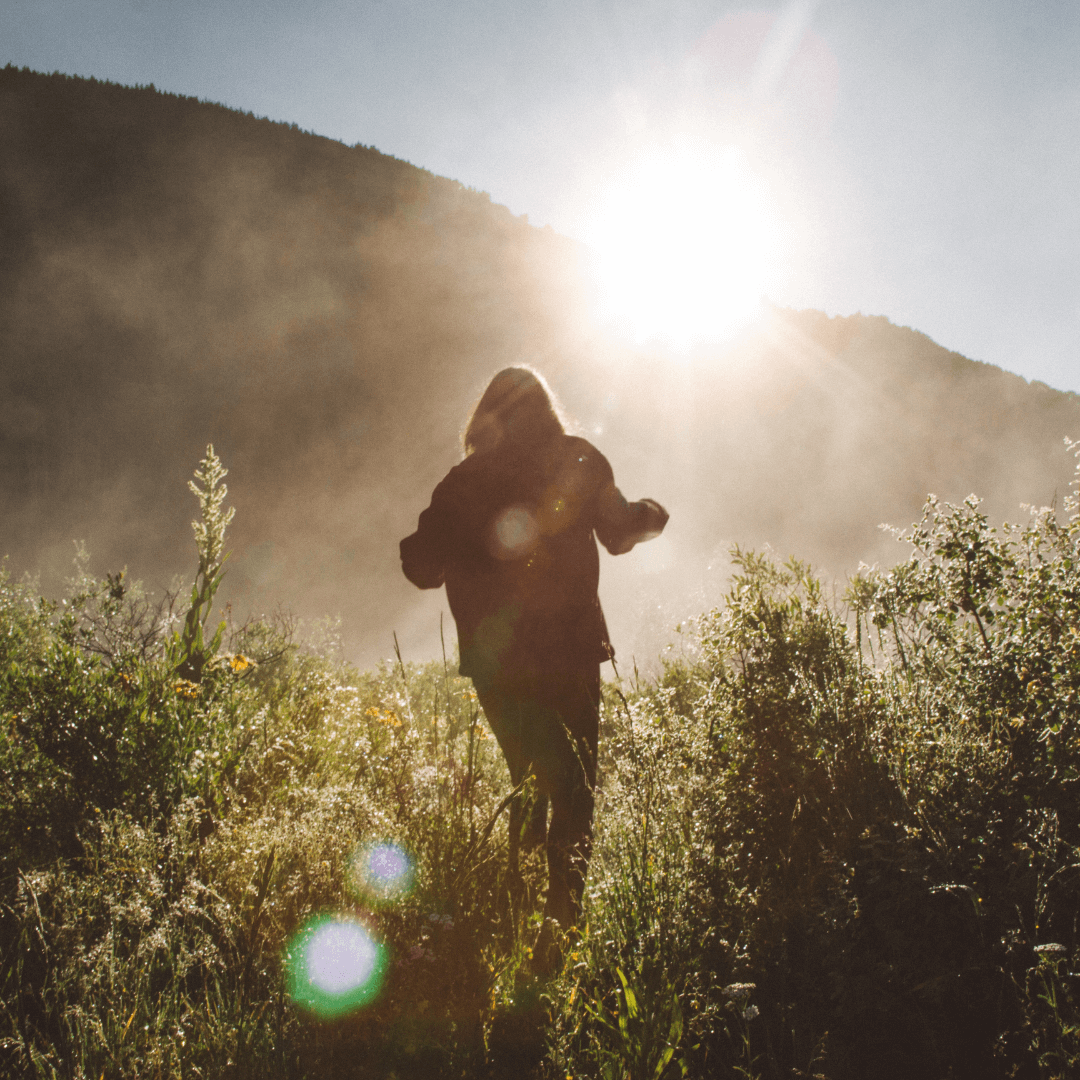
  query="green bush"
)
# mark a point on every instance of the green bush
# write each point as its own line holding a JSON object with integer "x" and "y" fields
{"x": 840, "y": 842}
{"x": 844, "y": 843}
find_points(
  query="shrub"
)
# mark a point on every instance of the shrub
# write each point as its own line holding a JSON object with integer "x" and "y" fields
{"x": 840, "y": 842}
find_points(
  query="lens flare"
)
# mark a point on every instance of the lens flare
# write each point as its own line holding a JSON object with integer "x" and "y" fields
{"x": 515, "y": 533}
{"x": 380, "y": 872}
{"x": 334, "y": 965}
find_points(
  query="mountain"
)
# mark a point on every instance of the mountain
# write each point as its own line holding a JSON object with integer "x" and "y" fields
{"x": 174, "y": 273}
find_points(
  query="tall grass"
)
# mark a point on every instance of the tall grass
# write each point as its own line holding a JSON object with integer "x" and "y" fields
{"x": 843, "y": 841}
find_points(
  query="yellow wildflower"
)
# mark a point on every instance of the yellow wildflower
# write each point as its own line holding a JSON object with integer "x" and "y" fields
{"x": 383, "y": 717}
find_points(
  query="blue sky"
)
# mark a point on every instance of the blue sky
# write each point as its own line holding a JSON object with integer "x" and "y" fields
{"x": 923, "y": 158}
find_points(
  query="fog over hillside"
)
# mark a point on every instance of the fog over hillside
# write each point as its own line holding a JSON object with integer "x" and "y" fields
{"x": 173, "y": 273}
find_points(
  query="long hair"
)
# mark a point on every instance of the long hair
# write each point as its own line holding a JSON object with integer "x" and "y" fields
{"x": 516, "y": 409}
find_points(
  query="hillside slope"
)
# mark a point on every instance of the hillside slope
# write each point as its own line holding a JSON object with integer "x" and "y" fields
{"x": 174, "y": 273}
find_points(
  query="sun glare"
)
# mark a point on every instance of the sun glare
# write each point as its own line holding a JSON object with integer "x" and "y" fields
{"x": 688, "y": 242}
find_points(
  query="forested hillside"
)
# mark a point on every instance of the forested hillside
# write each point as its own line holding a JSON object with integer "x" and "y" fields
{"x": 174, "y": 273}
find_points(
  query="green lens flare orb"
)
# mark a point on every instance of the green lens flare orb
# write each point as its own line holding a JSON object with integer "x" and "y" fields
{"x": 334, "y": 965}
{"x": 380, "y": 872}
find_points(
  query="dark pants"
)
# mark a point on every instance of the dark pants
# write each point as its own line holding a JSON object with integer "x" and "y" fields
{"x": 549, "y": 725}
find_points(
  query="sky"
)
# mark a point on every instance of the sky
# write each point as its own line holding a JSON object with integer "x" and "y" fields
{"x": 918, "y": 160}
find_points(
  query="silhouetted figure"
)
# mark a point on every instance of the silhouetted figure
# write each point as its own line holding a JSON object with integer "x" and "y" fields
{"x": 510, "y": 533}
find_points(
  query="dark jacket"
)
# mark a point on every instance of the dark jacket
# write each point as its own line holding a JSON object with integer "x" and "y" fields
{"x": 510, "y": 533}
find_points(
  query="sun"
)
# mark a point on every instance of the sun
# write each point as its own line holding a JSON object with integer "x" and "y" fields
{"x": 688, "y": 242}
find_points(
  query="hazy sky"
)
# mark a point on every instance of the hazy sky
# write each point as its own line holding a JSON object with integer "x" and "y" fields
{"x": 918, "y": 160}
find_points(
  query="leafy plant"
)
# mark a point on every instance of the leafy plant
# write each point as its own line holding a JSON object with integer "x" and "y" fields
{"x": 643, "y": 1035}
{"x": 188, "y": 651}
{"x": 842, "y": 841}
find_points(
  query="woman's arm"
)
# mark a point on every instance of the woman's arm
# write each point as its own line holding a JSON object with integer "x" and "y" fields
{"x": 621, "y": 524}
{"x": 423, "y": 556}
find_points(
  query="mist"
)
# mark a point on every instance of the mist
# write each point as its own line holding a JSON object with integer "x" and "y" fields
{"x": 326, "y": 316}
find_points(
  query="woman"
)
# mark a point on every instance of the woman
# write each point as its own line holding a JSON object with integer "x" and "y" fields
{"x": 510, "y": 533}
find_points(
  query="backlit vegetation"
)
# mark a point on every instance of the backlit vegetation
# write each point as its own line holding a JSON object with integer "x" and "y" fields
{"x": 843, "y": 840}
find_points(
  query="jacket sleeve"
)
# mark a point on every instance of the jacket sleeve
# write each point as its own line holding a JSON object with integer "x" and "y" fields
{"x": 423, "y": 554}
{"x": 621, "y": 524}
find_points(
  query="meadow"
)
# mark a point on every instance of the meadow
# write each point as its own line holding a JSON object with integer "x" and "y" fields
{"x": 838, "y": 837}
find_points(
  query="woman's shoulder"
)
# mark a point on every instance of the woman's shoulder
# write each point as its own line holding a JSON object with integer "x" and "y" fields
{"x": 456, "y": 482}
{"x": 578, "y": 451}
{"x": 474, "y": 477}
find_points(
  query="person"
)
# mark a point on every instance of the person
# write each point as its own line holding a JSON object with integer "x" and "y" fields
{"x": 509, "y": 532}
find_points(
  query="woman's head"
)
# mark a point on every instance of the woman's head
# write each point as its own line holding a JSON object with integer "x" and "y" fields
{"x": 516, "y": 408}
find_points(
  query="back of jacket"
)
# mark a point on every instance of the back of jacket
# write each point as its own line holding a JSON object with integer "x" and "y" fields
{"x": 510, "y": 533}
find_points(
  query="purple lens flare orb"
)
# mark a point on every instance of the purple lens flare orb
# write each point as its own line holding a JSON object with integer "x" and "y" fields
{"x": 381, "y": 873}
{"x": 334, "y": 965}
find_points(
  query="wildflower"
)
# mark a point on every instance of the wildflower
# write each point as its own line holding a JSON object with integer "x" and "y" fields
{"x": 389, "y": 718}
{"x": 240, "y": 662}
{"x": 751, "y": 1013}
{"x": 738, "y": 991}
{"x": 185, "y": 688}
{"x": 1051, "y": 949}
